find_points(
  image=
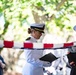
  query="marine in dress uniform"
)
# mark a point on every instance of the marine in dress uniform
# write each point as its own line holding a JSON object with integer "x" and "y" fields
{"x": 34, "y": 66}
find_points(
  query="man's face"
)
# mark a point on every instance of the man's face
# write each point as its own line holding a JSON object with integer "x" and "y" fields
{"x": 38, "y": 34}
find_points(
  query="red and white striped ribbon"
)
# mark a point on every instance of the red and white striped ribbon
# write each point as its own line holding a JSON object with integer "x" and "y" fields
{"x": 23, "y": 45}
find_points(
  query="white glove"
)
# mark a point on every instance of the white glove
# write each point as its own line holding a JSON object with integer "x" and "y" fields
{"x": 46, "y": 64}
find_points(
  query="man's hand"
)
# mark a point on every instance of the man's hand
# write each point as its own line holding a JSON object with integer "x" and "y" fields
{"x": 46, "y": 64}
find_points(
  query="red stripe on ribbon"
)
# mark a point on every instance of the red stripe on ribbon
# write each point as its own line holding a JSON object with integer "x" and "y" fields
{"x": 8, "y": 44}
{"x": 28, "y": 45}
{"x": 68, "y": 44}
{"x": 48, "y": 45}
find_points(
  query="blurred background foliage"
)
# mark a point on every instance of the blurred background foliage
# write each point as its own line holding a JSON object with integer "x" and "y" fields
{"x": 16, "y": 15}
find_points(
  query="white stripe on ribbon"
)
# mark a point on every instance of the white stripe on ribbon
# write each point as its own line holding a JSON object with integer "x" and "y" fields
{"x": 58, "y": 45}
{"x": 38, "y": 45}
{"x": 1, "y": 44}
{"x": 18, "y": 45}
